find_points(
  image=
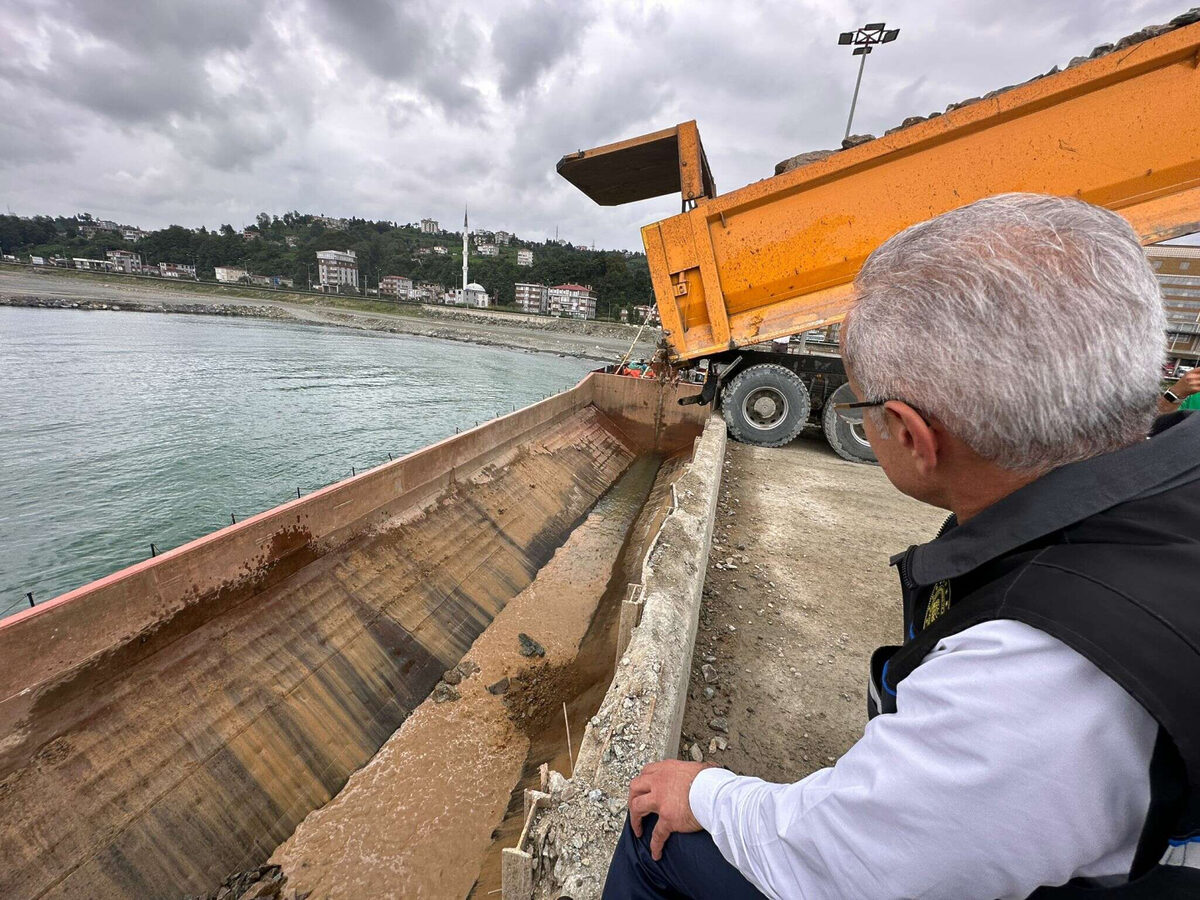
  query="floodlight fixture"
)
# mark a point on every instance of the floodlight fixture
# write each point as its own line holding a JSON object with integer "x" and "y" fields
{"x": 864, "y": 40}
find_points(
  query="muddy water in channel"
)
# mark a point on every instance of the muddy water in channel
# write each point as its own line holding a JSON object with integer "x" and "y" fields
{"x": 583, "y": 685}
{"x": 436, "y": 804}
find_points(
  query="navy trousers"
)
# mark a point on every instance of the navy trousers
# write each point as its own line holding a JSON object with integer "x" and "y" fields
{"x": 691, "y": 868}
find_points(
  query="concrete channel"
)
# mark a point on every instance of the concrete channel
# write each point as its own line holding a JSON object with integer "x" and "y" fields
{"x": 359, "y": 693}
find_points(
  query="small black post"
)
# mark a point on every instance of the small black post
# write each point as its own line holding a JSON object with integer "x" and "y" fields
{"x": 352, "y": 471}
{"x": 153, "y": 551}
{"x": 30, "y": 596}
{"x": 297, "y": 492}
{"x": 232, "y": 519}
{"x": 389, "y": 455}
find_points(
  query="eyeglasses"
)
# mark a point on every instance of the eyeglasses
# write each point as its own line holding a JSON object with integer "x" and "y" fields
{"x": 853, "y": 412}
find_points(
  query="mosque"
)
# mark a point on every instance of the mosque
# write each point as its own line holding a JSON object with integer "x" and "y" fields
{"x": 472, "y": 293}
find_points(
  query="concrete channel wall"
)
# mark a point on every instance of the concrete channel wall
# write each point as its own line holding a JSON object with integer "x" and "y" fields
{"x": 573, "y": 823}
{"x": 173, "y": 722}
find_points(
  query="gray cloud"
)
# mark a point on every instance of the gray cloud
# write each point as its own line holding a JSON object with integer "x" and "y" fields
{"x": 204, "y": 112}
{"x": 532, "y": 38}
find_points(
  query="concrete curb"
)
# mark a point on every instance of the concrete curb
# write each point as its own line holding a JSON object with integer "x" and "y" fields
{"x": 575, "y": 824}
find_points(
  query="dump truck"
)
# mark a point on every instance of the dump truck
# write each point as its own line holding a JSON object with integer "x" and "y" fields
{"x": 734, "y": 272}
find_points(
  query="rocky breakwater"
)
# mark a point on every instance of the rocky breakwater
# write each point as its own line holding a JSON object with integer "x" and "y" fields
{"x": 132, "y": 305}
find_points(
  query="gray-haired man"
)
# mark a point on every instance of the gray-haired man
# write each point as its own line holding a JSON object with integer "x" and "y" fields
{"x": 1037, "y": 732}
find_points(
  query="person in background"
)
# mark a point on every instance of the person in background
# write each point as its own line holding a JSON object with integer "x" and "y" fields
{"x": 1183, "y": 394}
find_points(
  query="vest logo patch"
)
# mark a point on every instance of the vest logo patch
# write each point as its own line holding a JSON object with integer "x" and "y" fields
{"x": 939, "y": 602}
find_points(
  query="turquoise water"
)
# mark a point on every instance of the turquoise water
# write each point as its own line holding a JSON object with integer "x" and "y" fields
{"x": 118, "y": 430}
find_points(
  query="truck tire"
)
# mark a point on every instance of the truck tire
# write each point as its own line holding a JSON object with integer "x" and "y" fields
{"x": 765, "y": 405}
{"x": 848, "y": 441}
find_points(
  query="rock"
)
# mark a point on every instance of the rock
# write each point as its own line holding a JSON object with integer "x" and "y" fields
{"x": 855, "y": 139}
{"x": 710, "y": 674}
{"x": 444, "y": 692}
{"x": 696, "y": 753}
{"x": 1101, "y": 50}
{"x": 1188, "y": 18}
{"x": 1138, "y": 36}
{"x": 262, "y": 890}
{"x": 708, "y": 658}
{"x": 467, "y": 668}
{"x": 719, "y": 723}
{"x": 530, "y": 647}
{"x": 709, "y": 692}
{"x": 802, "y": 159}
{"x": 452, "y": 676}
{"x": 498, "y": 687}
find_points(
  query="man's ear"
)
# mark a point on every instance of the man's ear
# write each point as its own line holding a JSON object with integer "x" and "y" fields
{"x": 914, "y": 434}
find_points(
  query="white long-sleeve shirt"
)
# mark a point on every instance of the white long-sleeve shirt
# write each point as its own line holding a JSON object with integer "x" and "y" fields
{"x": 1011, "y": 762}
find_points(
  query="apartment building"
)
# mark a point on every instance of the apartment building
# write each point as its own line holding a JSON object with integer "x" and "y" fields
{"x": 124, "y": 261}
{"x": 532, "y": 298}
{"x": 430, "y": 226}
{"x": 524, "y": 257}
{"x": 574, "y": 301}
{"x": 337, "y": 270}
{"x": 1178, "y": 272}
{"x": 396, "y": 286}
{"x": 488, "y": 250}
{"x": 176, "y": 270}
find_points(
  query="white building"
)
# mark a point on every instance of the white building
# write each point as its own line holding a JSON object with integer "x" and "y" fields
{"x": 503, "y": 237}
{"x": 430, "y": 226}
{"x": 575, "y": 301}
{"x": 396, "y": 285}
{"x": 531, "y": 298}
{"x": 475, "y": 296}
{"x": 337, "y": 270}
{"x": 648, "y": 314}
{"x": 524, "y": 257}
{"x": 91, "y": 265}
{"x": 230, "y": 274}
{"x": 488, "y": 250}
{"x": 472, "y": 293}
{"x": 440, "y": 250}
{"x": 176, "y": 270}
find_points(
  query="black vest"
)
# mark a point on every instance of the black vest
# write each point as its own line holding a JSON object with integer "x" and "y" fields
{"x": 1105, "y": 556}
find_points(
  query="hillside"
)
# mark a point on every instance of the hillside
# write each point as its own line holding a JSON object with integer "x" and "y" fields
{"x": 287, "y": 246}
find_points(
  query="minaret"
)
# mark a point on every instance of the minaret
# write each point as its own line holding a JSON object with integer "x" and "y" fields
{"x": 465, "y": 233}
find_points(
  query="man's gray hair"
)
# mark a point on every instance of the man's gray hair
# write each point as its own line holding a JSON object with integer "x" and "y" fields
{"x": 1031, "y": 326}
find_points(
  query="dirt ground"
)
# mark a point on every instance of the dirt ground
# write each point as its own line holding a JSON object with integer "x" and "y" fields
{"x": 600, "y": 341}
{"x": 797, "y": 595}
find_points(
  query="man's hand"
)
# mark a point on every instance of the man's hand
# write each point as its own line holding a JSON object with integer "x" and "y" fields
{"x": 1187, "y": 385}
{"x": 663, "y": 788}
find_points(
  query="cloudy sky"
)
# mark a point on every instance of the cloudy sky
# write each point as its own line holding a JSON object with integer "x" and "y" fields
{"x": 190, "y": 112}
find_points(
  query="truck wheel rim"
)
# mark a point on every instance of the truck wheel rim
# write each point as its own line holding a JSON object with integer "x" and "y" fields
{"x": 859, "y": 435}
{"x": 765, "y": 408}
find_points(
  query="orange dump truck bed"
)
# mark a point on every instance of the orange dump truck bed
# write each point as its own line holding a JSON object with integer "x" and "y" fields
{"x": 779, "y": 256}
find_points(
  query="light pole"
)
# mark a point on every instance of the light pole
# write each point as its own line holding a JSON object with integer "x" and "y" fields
{"x": 863, "y": 40}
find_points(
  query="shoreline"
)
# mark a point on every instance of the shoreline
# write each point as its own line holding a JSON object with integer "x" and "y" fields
{"x": 482, "y": 334}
